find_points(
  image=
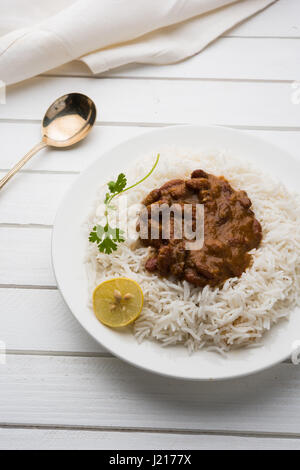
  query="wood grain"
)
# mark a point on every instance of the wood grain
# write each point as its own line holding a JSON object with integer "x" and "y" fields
{"x": 33, "y": 198}
{"x": 280, "y": 20}
{"x": 100, "y": 140}
{"x": 39, "y": 320}
{"x": 76, "y": 158}
{"x": 55, "y": 439}
{"x": 26, "y": 257}
{"x": 56, "y": 375}
{"x": 105, "y": 392}
{"x": 118, "y": 100}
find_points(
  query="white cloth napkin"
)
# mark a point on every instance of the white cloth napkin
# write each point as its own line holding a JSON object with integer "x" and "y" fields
{"x": 36, "y": 36}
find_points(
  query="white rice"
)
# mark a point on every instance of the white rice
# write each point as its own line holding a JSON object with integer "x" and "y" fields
{"x": 219, "y": 319}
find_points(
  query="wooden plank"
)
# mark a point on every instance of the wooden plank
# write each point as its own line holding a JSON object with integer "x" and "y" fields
{"x": 162, "y": 101}
{"x": 39, "y": 320}
{"x": 55, "y": 439}
{"x": 280, "y": 20}
{"x": 100, "y": 140}
{"x": 26, "y": 258}
{"x": 288, "y": 141}
{"x": 77, "y": 158}
{"x": 226, "y": 58}
{"x": 33, "y": 198}
{"x": 106, "y": 392}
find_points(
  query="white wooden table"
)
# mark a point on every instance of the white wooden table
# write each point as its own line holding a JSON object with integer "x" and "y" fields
{"x": 59, "y": 389}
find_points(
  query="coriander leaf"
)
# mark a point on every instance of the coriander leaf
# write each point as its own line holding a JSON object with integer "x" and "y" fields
{"x": 107, "y": 197}
{"x": 119, "y": 185}
{"x": 107, "y": 246}
{"x": 111, "y": 207}
{"x": 100, "y": 231}
{"x": 145, "y": 177}
{"x": 93, "y": 238}
{"x": 111, "y": 186}
{"x": 107, "y": 237}
{"x": 116, "y": 234}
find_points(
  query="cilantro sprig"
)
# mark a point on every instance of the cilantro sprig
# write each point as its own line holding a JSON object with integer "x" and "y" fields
{"x": 105, "y": 236}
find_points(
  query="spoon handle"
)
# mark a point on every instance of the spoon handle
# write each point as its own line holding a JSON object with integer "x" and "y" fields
{"x": 21, "y": 163}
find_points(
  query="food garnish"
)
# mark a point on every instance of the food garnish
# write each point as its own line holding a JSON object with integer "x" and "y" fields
{"x": 118, "y": 302}
{"x": 106, "y": 236}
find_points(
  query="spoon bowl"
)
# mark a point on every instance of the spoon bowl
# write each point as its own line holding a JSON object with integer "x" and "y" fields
{"x": 68, "y": 120}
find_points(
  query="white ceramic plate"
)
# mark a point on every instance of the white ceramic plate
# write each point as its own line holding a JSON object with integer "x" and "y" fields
{"x": 68, "y": 247}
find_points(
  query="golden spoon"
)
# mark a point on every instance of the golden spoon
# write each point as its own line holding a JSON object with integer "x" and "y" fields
{"x": 68, "y": 120}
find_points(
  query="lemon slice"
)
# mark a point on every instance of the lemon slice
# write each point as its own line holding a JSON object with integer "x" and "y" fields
{"x": 118, "y": 302}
